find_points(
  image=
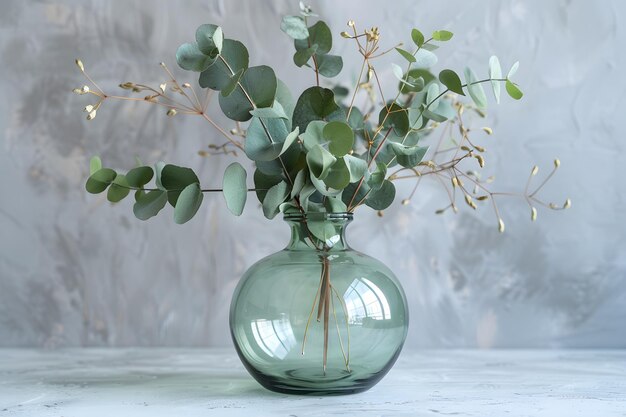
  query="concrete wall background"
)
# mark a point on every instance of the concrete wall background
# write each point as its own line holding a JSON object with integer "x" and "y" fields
{"x": 76, "y": 272}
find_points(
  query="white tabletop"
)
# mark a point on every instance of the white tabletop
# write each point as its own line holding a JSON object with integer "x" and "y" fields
{"x": 209, "y": 382}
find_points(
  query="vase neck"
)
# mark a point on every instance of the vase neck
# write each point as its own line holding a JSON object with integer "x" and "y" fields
{"x": 318, "y": 231}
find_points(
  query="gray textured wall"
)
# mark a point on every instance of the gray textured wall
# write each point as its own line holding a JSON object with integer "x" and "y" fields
{"x": 75, "y": 271}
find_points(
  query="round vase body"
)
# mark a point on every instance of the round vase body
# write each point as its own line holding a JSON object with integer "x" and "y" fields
{"x": 318, "y": 317}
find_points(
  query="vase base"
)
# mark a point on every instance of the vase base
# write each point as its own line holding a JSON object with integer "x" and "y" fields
{"x": 313, "y": 381}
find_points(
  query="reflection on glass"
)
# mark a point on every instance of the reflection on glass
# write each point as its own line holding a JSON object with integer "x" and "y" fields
{"x": 274, "y": 337}
{"x": 364, "y": 300}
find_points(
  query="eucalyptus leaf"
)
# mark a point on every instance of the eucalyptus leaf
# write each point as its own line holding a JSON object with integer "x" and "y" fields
{"x": 513, "y": 70}
{"x": 377, "y": 177}
{"x": 140, "y": 176}
{"x": 340, "y": 137}
{"x": 285, "y": 98}
{"x": 118, "y": 190}
{"x": 442, "y": 35}
{"x": 432, "y": 95}
{"x": 149, "y": 204}
{"x": 263, "y": 182}
{"x": 425, "y": 59}
{"x": 274, "y": 198}
{"x": 190, "y": 58}
{"x": 348, "y": 196}
{"x": 323, "y": 189}
{"x": 232, "y": 83}
{"x": 357, "y": 167}
{"x": 329, "y": 65}
{"x": 188, "y": 203}
{"x": 206, "y": 37}
{"x": 495, "y": 73}
{"x": 233, "y": 58}
{"x": 316, "y": 103}
{"x": 324, "y": 231}
{"x": 408, "y": 156}
{"x": 274, "y": 112}
{"x": 381, "y": 198}
{"x": 418, "y": 38}
{"x": 295, "y": 27}
{"x": 264, "y": 139}
{"x": 158, "y": 170}
{"x": 302, "y": 56}
{"x": 314, "y": 134}
{"x": 433, "y": 115}
{"x": 395, "y": 116}
{"x": 259, "y": 84}
{"x": 475, "y": 90}
{"x": 95, "y": 164}
{"x": 452, "y": 81}
{"x": 100, "y": 180}
{"x": 289, "y": 140}
{"x": 335, "y": 205}
{"x": 174, "y": 179}
{"x": 319, "y": 161}
{"x": 339, "y": 175}
{"x": 513, "y": 90}
{"x": 320, "y": 35}
{"x": 298, "y": 183}
{"x": 406, "y": 55}
{"x": 234, "y": 188}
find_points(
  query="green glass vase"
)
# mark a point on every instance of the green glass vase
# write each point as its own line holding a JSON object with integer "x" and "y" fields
{"x": 318, "y": 317}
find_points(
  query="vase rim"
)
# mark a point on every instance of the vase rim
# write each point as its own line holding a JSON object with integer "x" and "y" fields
{"x": 317, "y": 216}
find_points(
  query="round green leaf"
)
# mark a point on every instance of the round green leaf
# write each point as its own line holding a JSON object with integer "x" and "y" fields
{"x": 398, "y": 118}
{"x": 452, "y": 81}
{"x": 188, "y": 203}
{"x": 232, "y": 83}
{"x": 513, "y": 90}
{"x": 319, "y": 161}
{"x": 189, "y": 57}
{"x": 383, "y": 197}
{"x": 329, "y": 65}
{"x": 149, "y": 204}
{"x": 339, "y": 175}
{"x": 295, "y": 27}
{"x": 265, "y": 138}
{"x": 424, "y": 59}
{"x": 100, "y": 180}
{"x": 340, "y": 136}
{"x": 174, "y": 179}
{"x": 302, "y": 56}
{"x": 316, "y": 103}
{"x": 356, "y": 166}
{"x": 234, "y": 188}
{"x": 378, "y": 176}
{"x": 259, "y": 84}
{"x": 218, "y": 75}
{"x": 118, "y": 189}
{"x": 95, "y": 164}
{"x": 348, "y": 196}
{"x": 140, "y": 176}
{"x": 263, "y": 182}
{"x": 442, "y": 35}
{"x": 320, "y": 35}
{"x": 475, "y": 90}
{"x": 274, "y": 198}
{"x": 408, "y": 156}
{"x": 206, "y": 37}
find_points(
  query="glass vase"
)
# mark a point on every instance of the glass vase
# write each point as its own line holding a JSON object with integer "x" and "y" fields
{"x": 318, "y": 317}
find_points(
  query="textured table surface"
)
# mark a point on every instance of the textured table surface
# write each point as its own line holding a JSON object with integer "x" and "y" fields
{"x": 209, "y": 382}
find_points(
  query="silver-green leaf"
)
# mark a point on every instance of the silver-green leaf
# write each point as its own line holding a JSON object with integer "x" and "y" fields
{"x": 234, "y": 188}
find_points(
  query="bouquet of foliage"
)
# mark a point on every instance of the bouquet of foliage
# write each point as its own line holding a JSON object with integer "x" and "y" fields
{"x": 319, "y": 152}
